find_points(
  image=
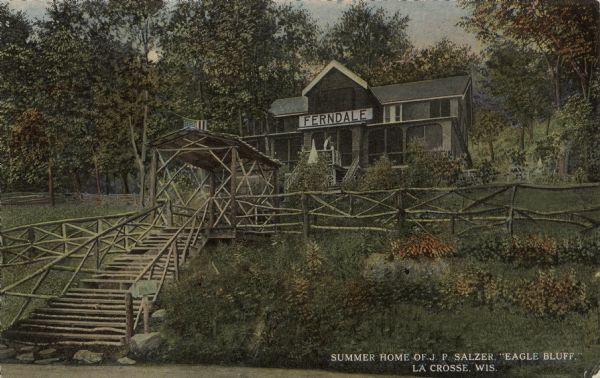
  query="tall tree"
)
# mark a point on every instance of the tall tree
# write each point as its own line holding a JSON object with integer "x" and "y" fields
{"x": 366, "y": 37}
{"x": 16, "y": 59}
{"x": 516, "y": 77}
{"x": 564, "y": 31}
{"x": 487, "y": 125}
{"x": 138, "y": 23}
{"x": 232, "y": 59}
{"x": 443, "y": 59}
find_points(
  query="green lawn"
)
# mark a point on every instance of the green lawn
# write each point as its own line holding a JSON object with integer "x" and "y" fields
{"x": 12, "y": 216}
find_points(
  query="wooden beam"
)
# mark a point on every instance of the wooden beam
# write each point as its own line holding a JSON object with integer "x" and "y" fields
{"x": 232, "y": 193}
{"x": 153, "y": 171}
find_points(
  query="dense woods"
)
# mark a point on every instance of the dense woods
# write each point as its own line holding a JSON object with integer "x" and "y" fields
{"x": 84, "y": 88}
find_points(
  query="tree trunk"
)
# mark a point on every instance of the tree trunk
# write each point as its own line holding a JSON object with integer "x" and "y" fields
{"x": 522, "y": 138}
{"x": 107, "y": 183}
{"x": 548, "y": 126}
{"x": 125, "y": 182}
{"x": 51, "y": 183}
{"x": 97, "y": 173}
{"x": 77, "y": 182}
{"x": 491, "y": 147}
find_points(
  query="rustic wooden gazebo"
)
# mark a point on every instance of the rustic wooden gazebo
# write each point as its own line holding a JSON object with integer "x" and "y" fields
{"x": 192, "y": 166}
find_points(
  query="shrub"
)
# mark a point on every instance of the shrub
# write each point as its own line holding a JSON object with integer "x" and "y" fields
{"x": 487, "y": 173}
{"x": 380, "y": 176}
{"x": 482, "y": 287}
{"x": 532, "y": 250}
{"x": 310, "y": 177}
{"x": 420, "y": 170}
{"x": 421, "y": 245}
{"x": 551, "y": 295}
{"x": 483, "y": 247}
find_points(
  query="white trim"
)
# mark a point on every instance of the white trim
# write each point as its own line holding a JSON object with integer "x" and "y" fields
{"x": 412, "y": 120}
{"x": 340, "y": 67}
{"x": 288, "y": 114}
{"x": 420, "y": 99}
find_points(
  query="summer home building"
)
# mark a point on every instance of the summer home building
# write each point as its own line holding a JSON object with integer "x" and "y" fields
{"x": 339, "y": 112}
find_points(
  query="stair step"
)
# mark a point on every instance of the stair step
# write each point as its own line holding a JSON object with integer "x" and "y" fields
{"x": 83, "y": 311}
{"x": 110, "y": 323}
{"x": 91, "y": 306}
{"x": 107, "y": 281}
{"x": 90, "y": 290}
{"x": 71, "y": 317}
{"x": 92, "y": 300}
{"x": 62, "y": 335}
{"x": 120, "y": 297}
{"x": 101, "y": 330}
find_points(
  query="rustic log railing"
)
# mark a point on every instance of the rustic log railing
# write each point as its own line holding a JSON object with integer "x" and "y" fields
{"x": 83, "y": 257}
{"x": 44, "y": 241}
{"x": 458, "y": 210}
{"x": 193, "y": 226}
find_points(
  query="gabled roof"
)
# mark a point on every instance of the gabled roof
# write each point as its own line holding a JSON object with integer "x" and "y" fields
{"x": 289, "y": 106}
{"x": 202, "y": 156}
{"x": 421, "y": 90}
{"x": 340, "y": 67}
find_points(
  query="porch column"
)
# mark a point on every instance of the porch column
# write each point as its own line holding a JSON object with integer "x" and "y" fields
{"x": 233, "y": 187}
{"x": 153, "y": 172}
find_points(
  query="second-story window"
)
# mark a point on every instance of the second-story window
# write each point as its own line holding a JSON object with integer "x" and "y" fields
{"x": 398, "y": 115}
{"x": 439, "y": 108}
{"x": 386, "y": 113}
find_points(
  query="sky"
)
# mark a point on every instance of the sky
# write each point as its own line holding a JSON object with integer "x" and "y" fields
{"x": 430, "y": 20}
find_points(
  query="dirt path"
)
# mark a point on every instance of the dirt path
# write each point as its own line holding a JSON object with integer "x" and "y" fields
{"x": 171, "y": 371}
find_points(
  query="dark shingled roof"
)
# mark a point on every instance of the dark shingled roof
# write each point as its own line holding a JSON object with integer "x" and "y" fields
{"x": 419, "y": 90}
{"x": 201, "y": 157}
{"x": 290, "y": 105}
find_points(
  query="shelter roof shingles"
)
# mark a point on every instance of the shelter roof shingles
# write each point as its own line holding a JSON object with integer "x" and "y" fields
{"x": 201, "y": 157}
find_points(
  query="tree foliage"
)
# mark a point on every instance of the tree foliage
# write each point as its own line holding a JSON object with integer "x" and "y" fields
{"x": 365, "y": 38}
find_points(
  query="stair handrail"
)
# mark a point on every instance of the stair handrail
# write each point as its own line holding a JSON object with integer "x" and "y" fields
{"x": 352, "y": 170}
{"x": 43, "y": 272}
{"x": 90, "y": 243}
{"x": 197, "y": 226}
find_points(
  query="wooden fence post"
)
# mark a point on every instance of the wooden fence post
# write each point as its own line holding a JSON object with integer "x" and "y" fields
{"x": 511, "y": 211}
{"x": 305, "y": 216}
{"x": 153, "y": 181}
{"x": 128, "y": 317}
{"x": 175, "y": 259}
{"x": 211, "y": 204}
{"x": 31, "y": 238}
{"x": 401, "y": 216}
{"x": 169, "y": 214}
{"x": 146, "y": 308}
{"x": 64, "y": 236}
{"x": 233, "y": 188}
{"x": 97, "y": 246}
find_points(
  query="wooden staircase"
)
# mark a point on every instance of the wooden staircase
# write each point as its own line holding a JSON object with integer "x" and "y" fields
{"x": 95, "y": 312}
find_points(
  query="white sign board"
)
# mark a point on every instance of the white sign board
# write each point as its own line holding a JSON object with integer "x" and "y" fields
{"x": 336, "y": 118}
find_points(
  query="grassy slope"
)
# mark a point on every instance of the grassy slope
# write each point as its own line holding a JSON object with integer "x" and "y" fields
{"x": 214, "y": 312}
{"x": 13, "y": 216}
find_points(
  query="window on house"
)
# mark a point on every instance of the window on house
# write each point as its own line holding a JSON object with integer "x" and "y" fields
{"x": 281, "y": 149}
{"x": 439, "y": 108}
{"x": 386, "y": 113}
{"x": 415, "y": 110}
{"x": 295, "y": 147}
{"x": 398, "y": 115}
{"x": 376, "y": 147}
{"x": 345, "y": 146}
{"x": 319, "y": 138}
{"x": 431, "y": 136}
{"x": 394, "y": 144}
